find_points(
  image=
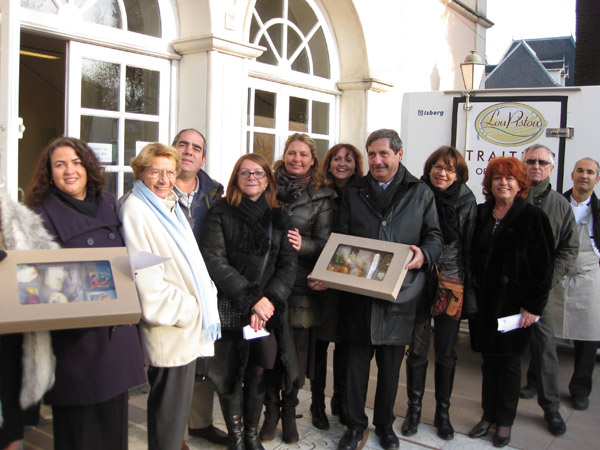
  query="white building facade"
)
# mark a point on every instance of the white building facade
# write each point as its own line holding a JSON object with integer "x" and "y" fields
{"x": 247, "y": 73}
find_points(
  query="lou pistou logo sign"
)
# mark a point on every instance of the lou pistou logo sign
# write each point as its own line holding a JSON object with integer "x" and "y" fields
{"x": 510, "y": 124}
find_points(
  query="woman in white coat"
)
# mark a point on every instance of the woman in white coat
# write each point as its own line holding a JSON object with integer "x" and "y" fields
{"x": 180, "y": 320}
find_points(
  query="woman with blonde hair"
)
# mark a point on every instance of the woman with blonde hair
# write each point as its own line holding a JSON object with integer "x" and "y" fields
{"x": 308, "y": 203}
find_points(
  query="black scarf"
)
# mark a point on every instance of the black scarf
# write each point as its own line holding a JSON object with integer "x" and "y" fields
{"x": 445, "y": 203}
{"x": 291, "y": 187}
{"x": 87, "y": 206}
{"x": 254, "y": 233}
{"x": 383, "y": 199}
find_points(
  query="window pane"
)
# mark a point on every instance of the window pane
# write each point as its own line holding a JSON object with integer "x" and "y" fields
{"x": 301, "y": 64}
{"x": 264, "y": 144}
{"x": 301, "y": 14}
{"x": 298, "y": 114}
{"x": 102, "y": 131}
{"x": 322, "y": 147}
{"x": 103, "y": 12}
{"x": 143, "y": 16}
{"x": 128, "y": 182}
{"x": 269, "y": 9}
{"x": 275, "y": 33}
{"x": 111, "y": 183}
{"x": 40, "y": 5}
{"x": 320, "y": 54}
{"x": 264, "y": 109}
{"x": 137, "y": 134}
{"x": 141, "y": 92}
{"x": 99, "y": 85}
{"x": 320, "y": 117}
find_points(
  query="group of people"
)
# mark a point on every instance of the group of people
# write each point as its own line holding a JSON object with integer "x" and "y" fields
{"x": 239, "y": 266}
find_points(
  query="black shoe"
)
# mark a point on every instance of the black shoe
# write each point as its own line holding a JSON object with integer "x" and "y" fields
{"x": 580, "y": 403}
{"x": 480, "y": 430}
{"x": 350, "y": 439}
{"x": 527, "y": 392}
{"x": 210, "y": 433}
{"x": 556, "y": 424}
{"x": 319, "y": 418}
{"x": 501, "y": 441}
{"x": 387, "y": 438}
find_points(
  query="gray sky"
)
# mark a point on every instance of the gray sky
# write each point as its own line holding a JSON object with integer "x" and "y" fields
{"x": 526, "y": 19}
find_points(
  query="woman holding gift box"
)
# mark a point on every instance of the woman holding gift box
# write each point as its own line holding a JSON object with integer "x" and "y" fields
{"x": 95, "y": 367}
{"x": 446, "y": 173}
{"x": 26, "y": 360}
{"x": 248, "y": 255}
{"x": 180, "y": 320}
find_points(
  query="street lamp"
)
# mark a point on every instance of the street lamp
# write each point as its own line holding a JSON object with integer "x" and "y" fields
{"x": 472, "y": 70}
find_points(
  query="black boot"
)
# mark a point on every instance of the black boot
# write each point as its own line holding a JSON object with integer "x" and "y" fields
{"x": 288, "y": 417}
{"x": 267, "y": 432}
{"x": 444, "y": 379}
{"x": 231, "y": 406}
{"x": 252, "y": 407}
{"x": 415, "y": 388}
{"x": 317, "y": 387}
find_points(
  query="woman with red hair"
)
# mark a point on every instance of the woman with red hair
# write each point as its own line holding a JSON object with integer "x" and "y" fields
{"x": 512, "y": 263}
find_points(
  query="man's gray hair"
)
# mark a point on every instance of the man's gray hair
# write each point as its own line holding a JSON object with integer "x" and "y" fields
{"x": 178, "y": 135}
{"x": 533, "y": 147}
{"x": 385, "y": 133}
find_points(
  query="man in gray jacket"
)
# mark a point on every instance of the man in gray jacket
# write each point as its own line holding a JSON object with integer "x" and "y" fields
{"x": 197, "y": 192}
{"x": 388, "y": 204}
{"x": 542, "y": 376}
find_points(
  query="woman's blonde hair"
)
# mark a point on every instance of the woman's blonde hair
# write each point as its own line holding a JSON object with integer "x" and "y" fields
{"x": 143, "y": 160}
{"x": 316, "y": 177}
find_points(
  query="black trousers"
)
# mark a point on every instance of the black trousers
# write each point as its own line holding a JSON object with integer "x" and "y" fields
{"x": 500, "y": 388}
{"x": 444, "y": 340}
{"x": 169, "y": 403}
{"x": 585, "y": 359}
{"x": 99, "y": 426}
{"x": 358, "y": 357}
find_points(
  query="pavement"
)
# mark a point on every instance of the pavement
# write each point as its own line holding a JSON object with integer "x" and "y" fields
{"x": 529, "y": 431}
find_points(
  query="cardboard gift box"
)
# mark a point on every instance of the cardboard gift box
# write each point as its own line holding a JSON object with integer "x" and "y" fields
{"x": 363, "y": 266}
{"x": 67, "y": 288}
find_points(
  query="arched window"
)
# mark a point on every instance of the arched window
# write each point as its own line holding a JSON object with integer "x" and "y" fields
{"x": 139, "y": 16}
{"x": 292, "y": 84}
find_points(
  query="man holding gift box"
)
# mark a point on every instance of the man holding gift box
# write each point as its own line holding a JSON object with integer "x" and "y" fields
{"x": 388, "y": 204}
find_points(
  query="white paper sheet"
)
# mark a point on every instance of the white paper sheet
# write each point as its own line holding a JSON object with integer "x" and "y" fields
{"x": 249, "y": 333}
{"x": 509, "y": 323}
{"x": 145, "y": 259}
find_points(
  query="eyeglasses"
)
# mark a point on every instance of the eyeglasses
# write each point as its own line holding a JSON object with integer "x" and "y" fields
{"x": 541, "y": 162}
{"x": 155, "y": 174}
{"x": 439, "y": 168}
{"x": 258, "y": 174}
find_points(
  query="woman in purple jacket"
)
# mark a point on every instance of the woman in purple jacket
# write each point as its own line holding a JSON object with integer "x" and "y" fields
{"x": 95, "y": 367}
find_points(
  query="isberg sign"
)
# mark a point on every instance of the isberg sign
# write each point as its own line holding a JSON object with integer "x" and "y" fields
{"x": 510, "y": 124}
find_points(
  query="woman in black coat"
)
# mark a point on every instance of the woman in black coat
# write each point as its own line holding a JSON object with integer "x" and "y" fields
{"x": 95, "y": 367}
{"x": 341, "y": 165}
{"x": 307, "y": 202}
{"x": 245, "y": 246}
{"x": 512, "y": 263}
{"x": 446, "y": 173}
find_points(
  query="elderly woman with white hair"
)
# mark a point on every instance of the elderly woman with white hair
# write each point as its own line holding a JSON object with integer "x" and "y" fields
{"x": 180, "y": 320}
